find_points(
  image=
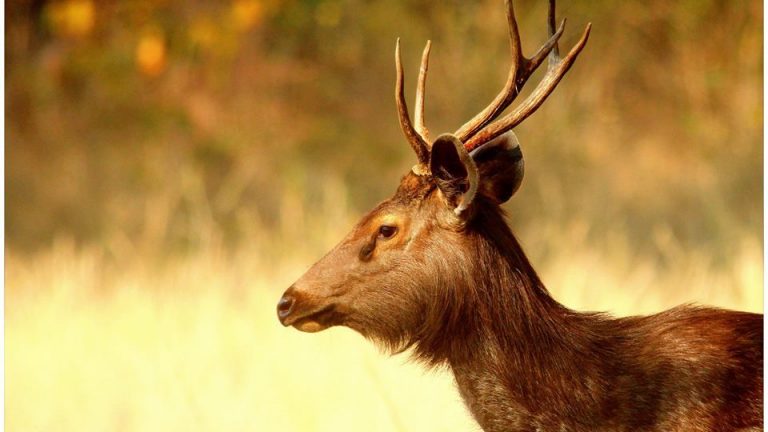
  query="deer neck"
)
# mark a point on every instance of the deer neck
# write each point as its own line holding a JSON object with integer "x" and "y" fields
{"x": 527, "y": 350}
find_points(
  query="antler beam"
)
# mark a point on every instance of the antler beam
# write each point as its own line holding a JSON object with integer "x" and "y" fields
{"x": 519, "y": 72}
{"x": 482, "y": 128}
{"x": 418, "y": 143}
{"x": 421, "y": 87}
{"x": 555, "y": 71}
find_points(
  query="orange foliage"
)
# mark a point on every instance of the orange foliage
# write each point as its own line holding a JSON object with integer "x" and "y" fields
{"x": 151, "y": 54}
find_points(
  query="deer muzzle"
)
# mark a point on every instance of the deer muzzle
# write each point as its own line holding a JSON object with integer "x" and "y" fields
{"x": 303, "y": 312}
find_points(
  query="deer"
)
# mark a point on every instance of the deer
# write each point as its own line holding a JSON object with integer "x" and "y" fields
{"x": 436, "y": 271}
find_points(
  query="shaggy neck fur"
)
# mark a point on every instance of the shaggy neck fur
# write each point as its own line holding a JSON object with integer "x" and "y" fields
{"x": 496, "y": 326}
{"x": 489, "y": 296}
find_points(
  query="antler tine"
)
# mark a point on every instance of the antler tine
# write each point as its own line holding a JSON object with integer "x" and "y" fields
{"x": 519, "y": 72}
{"x": 418, "y": 115}
{"x": 555, "y": 73}
{"x": 414, "y": 139}
{"x": 554, "y": 55}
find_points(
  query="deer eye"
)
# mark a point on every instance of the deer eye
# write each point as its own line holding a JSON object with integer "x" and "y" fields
{"x": 387, "y": 231}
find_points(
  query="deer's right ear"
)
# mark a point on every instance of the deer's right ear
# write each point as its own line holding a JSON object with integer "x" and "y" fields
{"x": 501, "y": 166}
{"x": 454, "y": 171}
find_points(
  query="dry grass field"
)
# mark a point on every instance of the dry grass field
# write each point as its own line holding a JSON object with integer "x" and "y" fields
{"x": 94, "y": 345}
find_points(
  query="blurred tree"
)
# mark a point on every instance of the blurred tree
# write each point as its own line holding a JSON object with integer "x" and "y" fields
{"x": 214, "y": 114}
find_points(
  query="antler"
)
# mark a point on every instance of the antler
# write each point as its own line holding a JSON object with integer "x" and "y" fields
{"x": 519, "y": 72}
{"x": 417, "y": 142}
{"x": 418, "y": 115}
{"x": 472, "y": 134}
{"x": 479, "y": 129}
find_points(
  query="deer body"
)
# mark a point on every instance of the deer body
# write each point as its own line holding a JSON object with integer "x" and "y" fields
{"x": 700, "y": 388}
{"x": 436, "y": 270}
{"x": 544, "y": 367}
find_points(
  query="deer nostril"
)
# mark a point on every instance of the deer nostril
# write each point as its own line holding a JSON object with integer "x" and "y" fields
{"x": 285, "y": 306}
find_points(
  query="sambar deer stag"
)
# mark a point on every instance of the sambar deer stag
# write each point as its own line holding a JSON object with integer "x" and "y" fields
{"x": 436, "y": 270}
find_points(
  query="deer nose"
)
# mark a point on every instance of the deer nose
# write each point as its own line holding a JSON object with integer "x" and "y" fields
{"x": 285, "y": 305}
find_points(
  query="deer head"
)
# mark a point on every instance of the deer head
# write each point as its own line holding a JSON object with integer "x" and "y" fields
{"x": 412, "y": 264}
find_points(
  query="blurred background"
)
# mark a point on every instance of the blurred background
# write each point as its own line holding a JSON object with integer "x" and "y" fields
{"x": 172, "y": 166}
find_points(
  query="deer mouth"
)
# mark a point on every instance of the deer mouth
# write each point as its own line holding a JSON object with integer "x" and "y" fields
{"x": 307, "y": 313}
{"x": 314, "y": 321}
{"x": 317, "y": 321}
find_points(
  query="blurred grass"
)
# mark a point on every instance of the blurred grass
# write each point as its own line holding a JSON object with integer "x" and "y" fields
{"x": 173, "y": 166}
{"x": 95, "y": 345}
{"x": 195, "y": 347}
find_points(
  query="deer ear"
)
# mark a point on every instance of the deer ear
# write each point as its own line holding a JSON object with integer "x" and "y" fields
{"x": 454, "y": 171}
{"x": 501, "y": 167}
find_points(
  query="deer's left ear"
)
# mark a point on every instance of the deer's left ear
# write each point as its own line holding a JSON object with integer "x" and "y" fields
{"x": 494, "y": 169}
{"x": 454, "y": 171}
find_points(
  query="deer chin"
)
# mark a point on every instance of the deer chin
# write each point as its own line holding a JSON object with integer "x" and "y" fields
{"x": 317, "y": 321}
{"x": 310, "y": 326}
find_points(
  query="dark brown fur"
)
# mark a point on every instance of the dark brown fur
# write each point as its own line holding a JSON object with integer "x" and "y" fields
{"x": 464, "y": 296}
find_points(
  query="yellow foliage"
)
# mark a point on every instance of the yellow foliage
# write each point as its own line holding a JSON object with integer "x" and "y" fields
{"x": 246, "y": 14}
{"x": 328, "y": 14}
{"x": 203, "y": 33}
{"x": 74, "y": 18}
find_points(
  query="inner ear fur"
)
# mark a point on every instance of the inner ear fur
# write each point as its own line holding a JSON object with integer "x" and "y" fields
{"x": 454, "y": 172}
